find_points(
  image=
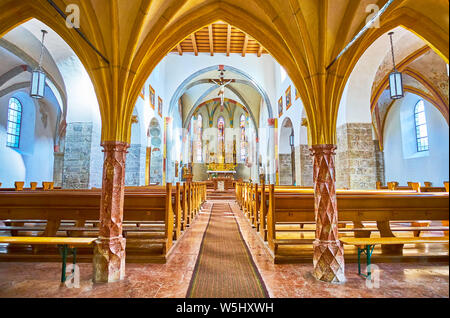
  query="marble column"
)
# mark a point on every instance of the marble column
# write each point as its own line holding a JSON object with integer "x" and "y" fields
{"x": 109, "y": 250}
{"x": 328, "y": 252}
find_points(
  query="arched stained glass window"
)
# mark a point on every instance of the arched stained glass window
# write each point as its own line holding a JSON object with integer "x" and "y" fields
{"x": 421, "y": 127}
{"x": 221, "y": 134}
{"x": 199, "y": 139}
{"x": 14, "y": 123}
{"x": 243, "y": 147}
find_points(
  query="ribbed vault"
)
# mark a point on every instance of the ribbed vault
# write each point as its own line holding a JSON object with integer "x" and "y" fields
{"x": 304, "y": 36}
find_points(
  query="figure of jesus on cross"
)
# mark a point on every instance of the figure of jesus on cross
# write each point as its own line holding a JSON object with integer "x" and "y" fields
{"x": 222, "y": 83}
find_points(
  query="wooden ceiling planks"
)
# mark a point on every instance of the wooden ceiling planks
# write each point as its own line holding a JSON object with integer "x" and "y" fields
{"x": 220, "y": 38}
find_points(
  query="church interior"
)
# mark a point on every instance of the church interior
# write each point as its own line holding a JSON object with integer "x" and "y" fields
{"x": 224, "y": 149}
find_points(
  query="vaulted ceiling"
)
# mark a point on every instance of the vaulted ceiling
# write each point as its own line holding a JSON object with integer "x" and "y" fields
{"x": 304, "y": 36}
{"x": 424, "y": 74}
{"x": 201, "y": 89}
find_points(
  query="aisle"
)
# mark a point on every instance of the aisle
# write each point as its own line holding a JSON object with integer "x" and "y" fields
{"x": 225, "y": 268}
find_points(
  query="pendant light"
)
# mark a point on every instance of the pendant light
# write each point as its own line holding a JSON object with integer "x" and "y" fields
{"x": 38, "y": 75}
{"x": 395, "y": 78}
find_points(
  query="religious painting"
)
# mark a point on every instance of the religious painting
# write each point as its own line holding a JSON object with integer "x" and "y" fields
{"x": 280, "y": 107}
{"x": 142, "y": 93}
{"x": 221, "y": 139}
{"x": 152, "y": 97}
{"x": 297, "y": 96}
{"x": 160, "y": 106}
{"x": 288, "y": 98}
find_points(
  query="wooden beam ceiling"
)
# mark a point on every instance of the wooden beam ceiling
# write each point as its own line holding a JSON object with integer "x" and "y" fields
{"x": 211, "y": 39}
{"x": 180, "y": 51}
{"x": 244, "y": 49}
{"x": 228, "y": 40}
{"x": 260, "y": 51}
{"x": 194, "y": 44}
{"x": 220, "y": 38}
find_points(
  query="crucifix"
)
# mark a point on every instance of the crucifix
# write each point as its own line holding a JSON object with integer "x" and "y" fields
{"x": 222, "y": 83}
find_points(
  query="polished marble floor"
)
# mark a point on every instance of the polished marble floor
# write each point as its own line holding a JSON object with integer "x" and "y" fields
{"x": 171, "y": 280}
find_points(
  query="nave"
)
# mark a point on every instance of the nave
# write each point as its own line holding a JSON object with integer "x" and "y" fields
{"x": 172, "y": 280}
{"x": 326, "y": 124}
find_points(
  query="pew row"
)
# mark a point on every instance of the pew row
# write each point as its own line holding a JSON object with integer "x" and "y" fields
{"x": 414, "y": 186}
{"x": 152, "y": 218}
{"x": 283, "y": 216}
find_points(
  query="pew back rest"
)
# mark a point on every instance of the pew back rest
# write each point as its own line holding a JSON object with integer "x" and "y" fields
{"x": 365, "y": 207}
{"x": 81, "y": 205}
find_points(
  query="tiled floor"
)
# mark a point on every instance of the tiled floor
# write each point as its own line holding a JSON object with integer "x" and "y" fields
{"x": 171, "y": 280}
{"x": 396, "y": 280}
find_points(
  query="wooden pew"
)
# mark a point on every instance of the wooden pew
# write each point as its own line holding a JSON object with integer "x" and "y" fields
{"x": 82, "y": 206}
{"x": 176, "y": 203}
{"x": 362, "y": 232}
{"x": 415, "y": 186}
{"x": 251, "y": 199}
{"x": 20, "y": 186}
{"x": 180, "y": 202}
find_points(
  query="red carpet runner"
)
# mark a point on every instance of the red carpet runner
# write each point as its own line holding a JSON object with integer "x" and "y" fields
{"x": 225, "y": 268}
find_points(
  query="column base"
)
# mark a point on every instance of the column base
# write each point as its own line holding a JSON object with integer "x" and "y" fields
{"x": 109, "y": 260}
{"x": 329, "y": 261}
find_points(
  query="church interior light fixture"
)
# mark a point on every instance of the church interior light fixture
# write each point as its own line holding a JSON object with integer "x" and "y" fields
{"x": 38, "y": 76}
{"x": 395, "y": 78}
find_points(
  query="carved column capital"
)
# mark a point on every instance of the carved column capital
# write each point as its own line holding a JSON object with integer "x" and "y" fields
{"x": 323, "y": 150}
{"x": 328, "y": 250}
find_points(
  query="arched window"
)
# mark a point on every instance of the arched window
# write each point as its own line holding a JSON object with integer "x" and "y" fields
{"x": 243, "y": 143}
{"x": 14, "y": 123}
{"x": 221, "y": 134}
{"x": 199, "y": 140}
{"x": 421, "y": 127}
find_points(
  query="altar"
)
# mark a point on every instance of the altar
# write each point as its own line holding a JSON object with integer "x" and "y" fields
{"x": 221, "y": 175}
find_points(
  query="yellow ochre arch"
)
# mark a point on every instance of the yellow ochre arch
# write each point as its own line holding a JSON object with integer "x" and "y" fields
{"x": 304, "y": 36}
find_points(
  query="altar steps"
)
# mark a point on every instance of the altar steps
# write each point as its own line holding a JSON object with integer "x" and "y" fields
{"x": 220, "y": 195}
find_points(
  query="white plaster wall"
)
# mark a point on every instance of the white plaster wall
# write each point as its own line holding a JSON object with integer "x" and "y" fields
{"x": 12, "y": 167}
{"x": 82, "y": 104}
{"x": 146, "y": 113}
{"x": 177, "y": 68}
{"x": 261, "y": 69}
{"x": 33, "y": 160}
{"x": 399, "y": 136}
{"x": 294, "y": 113}
{"x": 355, "y": 102}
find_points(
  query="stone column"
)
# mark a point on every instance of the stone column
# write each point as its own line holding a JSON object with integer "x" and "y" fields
{"x": 58, "y": 167}
{"x": 328, "y": 251}
{"x": 109, "y": 251}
